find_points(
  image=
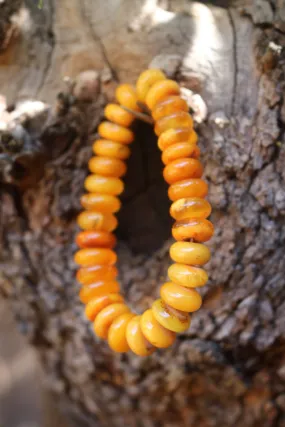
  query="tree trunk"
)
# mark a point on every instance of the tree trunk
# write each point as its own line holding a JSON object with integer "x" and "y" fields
{"x": 229, "y": 368}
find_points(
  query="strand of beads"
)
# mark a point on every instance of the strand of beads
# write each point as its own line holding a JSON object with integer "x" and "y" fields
{"x": 156, "y": 327}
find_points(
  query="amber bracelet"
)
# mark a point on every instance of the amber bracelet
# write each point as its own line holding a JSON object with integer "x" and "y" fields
{"x": 105, "y": 306}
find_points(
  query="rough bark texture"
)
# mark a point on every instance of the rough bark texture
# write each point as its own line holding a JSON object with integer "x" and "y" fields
{"x": 229, "y": 369}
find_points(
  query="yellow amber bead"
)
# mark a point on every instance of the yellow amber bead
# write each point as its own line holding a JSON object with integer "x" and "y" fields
{"x": 181, "y": 169}
{"x": 104, "y": 203}
{"x": 106, "y": 317}
{"x": 95, "y": 305}
{"x": 136, "y": 340}
{"x": 107, "y": 166}
{"x": 91, "y": 256}
{"x": 117, "y": 333}
{"x": 181, "y": 298}
{"x": 190, "y": 253}
{"x": 107, "y": 148}
{"x": 109, "y": 130}
{"x": 154, "y": 332}
{"x": 170, "y": 318}
{"x": 161, "y": 90}
{"x": 190, "y": 208}
{"x": 90, "y": 220}
{"x": 104, "y": 184}
{"x": 173, "y": 136}
{"x": 127, "y": 97}
{"x": 146, "y": 80}
{"x": 88, "y": 293}
{"x": 181, "y": 119}
{"x": 95, "y": 273}
{"x": 188, "y": 188}
{"x": 178, "y": 151}
{"x": 200, "y": 230}
{"x": 188, "y": 276}
{"x": 169, "y": 106}
{"x": 95, "y": 239}
{"x": 118, "y": 115}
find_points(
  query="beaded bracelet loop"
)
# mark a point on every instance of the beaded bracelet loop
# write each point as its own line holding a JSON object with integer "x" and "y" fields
{"x": 100, "y": 291}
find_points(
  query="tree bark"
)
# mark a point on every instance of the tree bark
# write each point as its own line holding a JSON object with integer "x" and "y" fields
{"x": 229, "y": 368}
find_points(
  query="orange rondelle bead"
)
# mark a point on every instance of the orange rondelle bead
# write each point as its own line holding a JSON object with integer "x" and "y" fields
{"x": 172, "y": 136}
{"x": 146, "y": 80}
{"x": 201, "y": 230}
{"x": 178, "y": 151}
{"x": 95, "y": 273}
{"x": 190, "y": 208}
{"x": 188, "y": 188}
{"x": 107, "y": 166}
{"x": 170, "y": 318}
{"x": 117, "y": 333}
{"x": 176, "y": 120}
{"x": 190, "y": 253}
{"x": 181, "y": 169}
{"x": 104, "y": 184}
{"x": 118, "y": 115}
{"x": 105, "y": 318}
{"x": 96, "y": 239}
{"x": 87, "y": 293}
{"x": 169, "y": 106}
{"x": 154, "y": 332}
{"x": 161, "y": 90}
{"x": 109, "y": 130}
{"x": 93, "y": 256}
{"x": 136, "y": 340}
{"x": 181, "y": 298}
{"x": 188, "y": 276}
{"x": 90, "y": 220}
{"x": 104, "y": 203}
{"x": 95, "y": 305}
{"x": 127, "y": 97}
{"x": 107, "y": 148}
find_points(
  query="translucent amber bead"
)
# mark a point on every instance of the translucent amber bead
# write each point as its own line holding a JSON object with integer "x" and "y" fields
{"x": 182, "y": 169}
{"x": 178, "y": 151}
{"x": 170, "y": 318}
{"x": 88, "y": 293}
{"x": 181, "y": 298}
{"x": 188, "y": 188}
{"x": 106, "y": 317}
{"x": 188, "y": 276}
{"x": 176, "y": 120}
{"x": 154, "y": 332}
{"x": 147, "y": 79}
{"x": 126, "y": 96}
{"x": 107, "y": 166}
{"x": 95, "y": 305}
{"x": 173, "y": 136}
{"x": 117, "y": 333}
{"x": 104, "y": 203}
{"x": 104, "y": 184}
{"x": 159, "y": 91}
{"x": 200, "y": 230}
{"x": 107, "y": 148}
{"x": 190, "y": 208}
{"x": 95, "y": 273}
{"x": 93, "y": 256}
{"x": 169, "y": 106}
{"x": 109, "y": 130}
{"x": 90, "y": 220}
{"x": 118, "y": 115}
{"x": 95, "y": 239}
{"x": 136, "y": 340}
{"x": 190, "y": 253}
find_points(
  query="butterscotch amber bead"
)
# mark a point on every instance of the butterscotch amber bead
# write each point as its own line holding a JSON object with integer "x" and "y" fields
{"x": 95, "y": 305}
{"x": 95, "y": 239}
{"x": 169, "y": 106}
{"x": 146, "y": 80}
{"x": 118, "y": 115}
{"x": 182, "y": 169}
{"x": 86, "y": 257}
{"x": 188, "y": 188}
{"x": 87, "y": 293}
{"x": 117, "y": 333}
{"x": 189, "y": 253}
{"x": 160, "y": 91}
{"x": 176, "y": 120}
{"x": 154, "y": 332}
{"x": 178, "y": 151}
{"x": 104, "y": 185}
{"x": 136, "y": 340}
{"x": 126, "y": 96}
{"x": 200, "y": 230}
{"x": 106, "y": 317}
{"x": 109, "y": 130}
{"x": 188, "y": 276}
{"x": 173, "y": 136}
{"x": 170, "y": 318}
{"x": 104, "y": 203}
{"x": 190, "y": 208}
{"x": 90, "y": 220}
{"x": 107, "y": 148}
{"x": 107, "y": 166}
{"x": 181, "y": 298}
{"x": 95, "y": 273}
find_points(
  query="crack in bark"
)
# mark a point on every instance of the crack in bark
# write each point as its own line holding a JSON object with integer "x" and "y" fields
{"x": 235, "y": 59}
